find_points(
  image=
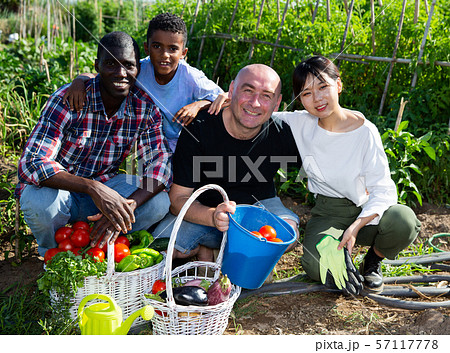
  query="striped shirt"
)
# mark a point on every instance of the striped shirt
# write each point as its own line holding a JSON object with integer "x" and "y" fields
{"x": 92, "y": 145}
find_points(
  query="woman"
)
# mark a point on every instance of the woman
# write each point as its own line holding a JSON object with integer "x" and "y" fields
{"x": 348, "y": 172}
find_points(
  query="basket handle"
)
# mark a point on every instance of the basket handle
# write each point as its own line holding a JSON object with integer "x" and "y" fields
{"x": 173, "y": 237}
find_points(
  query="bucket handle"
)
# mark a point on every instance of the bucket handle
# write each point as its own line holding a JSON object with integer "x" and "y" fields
{"x": 173, "y": 237}
{"x": 92, "y": 297}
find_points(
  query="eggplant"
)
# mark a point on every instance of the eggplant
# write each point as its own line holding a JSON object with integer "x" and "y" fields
{"x": 219, "y": 291}
{"x": 188, "y": 295}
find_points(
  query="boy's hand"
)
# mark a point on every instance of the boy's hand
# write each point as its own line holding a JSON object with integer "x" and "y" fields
{"x": 188, "y": 113}
{"x": 221, "y": 101}
{"x": 75, "y": 95}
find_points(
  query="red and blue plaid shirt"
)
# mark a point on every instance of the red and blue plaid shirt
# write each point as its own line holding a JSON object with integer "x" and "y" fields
{"x": 91, "y": 145}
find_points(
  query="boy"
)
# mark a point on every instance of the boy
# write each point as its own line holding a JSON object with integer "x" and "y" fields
{"x": 178, "y": 89}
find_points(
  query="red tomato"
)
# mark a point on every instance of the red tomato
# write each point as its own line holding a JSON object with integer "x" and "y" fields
{"x": 122, "y": 240}
{"x": 104, "y": 248}
{"x": 268, "y": 232}
{"x": 159, "y": 286}
{"x": 62, "y": 234}
{"x": 276, "y": 240}
{"x": 80, "y": 238}
{"x": 121, "y": 251}
{"x": 66, "y": 245}
{"x": 81, "y": 225}
{"x": 256, "y": 234}
{"x": 76, "y": 251}
{"x": 97, "y": 254}
{"x": 50, "y": 253}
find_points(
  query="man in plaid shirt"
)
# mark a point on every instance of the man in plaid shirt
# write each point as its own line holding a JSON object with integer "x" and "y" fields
{"x": 69, "y": 168}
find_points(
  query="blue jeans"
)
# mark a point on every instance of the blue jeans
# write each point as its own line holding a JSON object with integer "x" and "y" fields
{"x": 45, "y": 209}
{"x": 191, "y": 235}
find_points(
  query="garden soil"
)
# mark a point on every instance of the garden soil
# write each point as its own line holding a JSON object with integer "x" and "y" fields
{"x": 298, "y": 314}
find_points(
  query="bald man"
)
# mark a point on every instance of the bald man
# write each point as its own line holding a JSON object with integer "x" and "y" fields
{"x": 240, "y": 149}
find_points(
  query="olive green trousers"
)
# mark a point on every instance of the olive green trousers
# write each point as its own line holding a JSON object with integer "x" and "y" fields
{"x": 396, "y": 230}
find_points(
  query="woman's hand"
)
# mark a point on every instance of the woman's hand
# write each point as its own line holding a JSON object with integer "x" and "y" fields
{"x": 349, "y": 239}
{"x": 350, "y": 234}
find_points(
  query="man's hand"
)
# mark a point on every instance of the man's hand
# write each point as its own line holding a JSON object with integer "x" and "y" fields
{"x": 118, "y": 210}
{"x": 221, "y": 219}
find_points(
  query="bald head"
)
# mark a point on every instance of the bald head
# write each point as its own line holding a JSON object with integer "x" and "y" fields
{"x": 254, "y": 95}
{"x": 261, "y": 71}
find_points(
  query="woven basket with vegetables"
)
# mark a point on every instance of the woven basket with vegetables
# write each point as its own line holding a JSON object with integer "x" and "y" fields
{"x": 126, "y": 272}
{"x": 193, "y": 299}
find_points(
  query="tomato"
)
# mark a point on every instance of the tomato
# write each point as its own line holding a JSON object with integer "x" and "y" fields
{"x": 80, "y": 237}
{"x": 66, "y": 245}
{"x": 62, "y": 234}
{"x": 50, "y": 253}
{"x": 256, "y": 234}
{"x": 268, "y": 232}
{"x": 122, "y": 240}
{"x": 276, "y": 240}
{"x": 104, "y": 248}
{"x": 121, "y": 251}
{"x": 76, "y": 251}
{"x": 97, "y": 254}
{"x": 81, "y": 225}
{"x": 159, "y": 286}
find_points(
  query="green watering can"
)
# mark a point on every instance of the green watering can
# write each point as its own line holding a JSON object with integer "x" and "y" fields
{"x": 106, "y": 318}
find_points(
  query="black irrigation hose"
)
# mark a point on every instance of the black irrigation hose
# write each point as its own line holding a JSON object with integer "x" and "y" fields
{"x": 420, "y": 260}
{"x": 287, "y": 286}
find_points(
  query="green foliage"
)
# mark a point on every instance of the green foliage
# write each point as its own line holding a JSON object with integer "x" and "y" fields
{"x": 86, "y": 26}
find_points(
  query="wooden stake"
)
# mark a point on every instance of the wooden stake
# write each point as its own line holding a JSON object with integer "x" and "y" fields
{"x": 397, "y": 40}
{"x": 347, "y": 25}
{"x": 328, "y": 11}
{"x": 49, "y": 28}
{"x": 224, "y": 42}
{"x": 424, "y": 40}
{"x": 416, "y": 10}
{"x": 16, "y": 229}
{"x": 279, "y": 32}
{"x": 372, "y": 24}
{"x": 194, "y": 18}
{"x": 203, "y": 37}
{"x": 315, "y": 12}
{"x": 380, "y": 2}
{"x": 256, "y": 30}
{"x": 400, "y": 113}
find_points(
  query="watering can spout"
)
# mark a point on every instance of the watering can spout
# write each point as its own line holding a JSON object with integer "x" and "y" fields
{"x": 146, "y": 312}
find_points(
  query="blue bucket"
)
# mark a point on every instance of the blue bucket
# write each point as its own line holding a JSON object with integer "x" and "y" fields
{"x": 248, "y": 260}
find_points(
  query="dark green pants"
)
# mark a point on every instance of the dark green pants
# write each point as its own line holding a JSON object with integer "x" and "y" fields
{"x": 397, "y": 229}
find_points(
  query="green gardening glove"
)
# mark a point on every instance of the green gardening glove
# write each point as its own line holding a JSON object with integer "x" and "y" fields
{"x": 333, "y": 260}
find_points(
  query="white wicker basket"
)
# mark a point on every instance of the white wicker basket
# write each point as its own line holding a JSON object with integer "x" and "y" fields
{"x": 173, "y": 319}
{"x": 124, "y": 287}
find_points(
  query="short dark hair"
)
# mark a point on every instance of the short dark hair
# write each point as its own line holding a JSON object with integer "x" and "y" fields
{"x": 167, "y": 22}
{"x": 315, "y": 65}
{"x": 118, "y": 40}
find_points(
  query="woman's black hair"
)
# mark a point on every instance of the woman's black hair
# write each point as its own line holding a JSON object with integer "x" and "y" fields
{"x": 315, "y": 65}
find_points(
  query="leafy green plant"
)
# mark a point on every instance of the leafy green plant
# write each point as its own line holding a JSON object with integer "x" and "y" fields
{"x": 401, "y": 148}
